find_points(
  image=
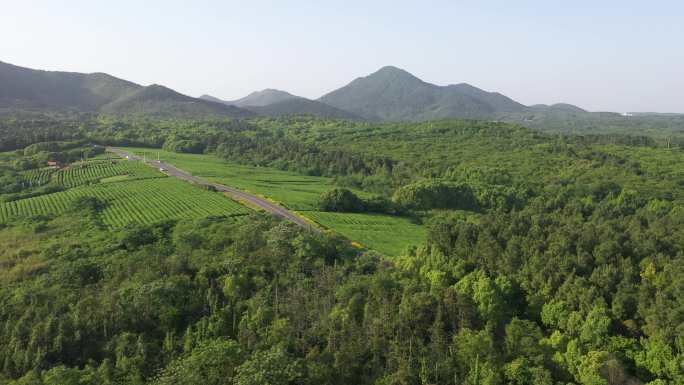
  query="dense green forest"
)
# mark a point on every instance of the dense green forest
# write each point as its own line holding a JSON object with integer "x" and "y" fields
{"x": 550, "y": 259}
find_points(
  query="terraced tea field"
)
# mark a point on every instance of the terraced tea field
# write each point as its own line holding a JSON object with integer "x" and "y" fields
{"x": 89, "y": 172}
{"x": 140, "y": 201}
{"x": 37, "y": 177}
{"x": 92, "y": 172}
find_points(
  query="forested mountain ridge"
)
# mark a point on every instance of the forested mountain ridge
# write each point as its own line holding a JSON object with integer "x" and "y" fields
{"x": 390, "y": 94}
{"x": 394, "y": 94}
{"x": 53, "y": 91}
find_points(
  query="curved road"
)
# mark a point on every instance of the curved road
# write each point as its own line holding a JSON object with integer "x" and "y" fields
{"x": 236, "y": 194}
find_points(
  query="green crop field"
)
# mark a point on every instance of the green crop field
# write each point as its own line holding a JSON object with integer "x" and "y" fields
{"x": 141, "y": 201}
{"x": 83, "y": 173}
{"x": 384, "y": 233}
{"x": 294, "y": 191}
{"x": 94, "y": 171}
{"x": 117, "y": 178}
{"x": 37, "y": 177}
{"x": 387, "y": 234}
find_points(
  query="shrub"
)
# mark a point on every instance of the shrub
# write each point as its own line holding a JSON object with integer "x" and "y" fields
{"x": 435, "y": 195}
{"x": 340, "y": 200}
{"x": 184, "y": 146}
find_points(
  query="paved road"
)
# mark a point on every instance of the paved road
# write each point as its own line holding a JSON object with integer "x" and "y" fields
{"x": 233, "y": 192}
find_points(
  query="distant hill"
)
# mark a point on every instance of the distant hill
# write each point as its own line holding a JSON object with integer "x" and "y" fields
{"x": 558, "y": 107}
{"x": 270, "y": 102}
{"x": 159, "y": 101}
{"x": 256, "y": 98}
{"x": 24, "y": 89}
{"x": 303, "y": 106}
{"x": 210, "y": 98}
{"x": 394, "y": 94}
{"x": 574, "y": 120}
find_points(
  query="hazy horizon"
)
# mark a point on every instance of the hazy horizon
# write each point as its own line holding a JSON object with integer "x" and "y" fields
{"x": 614, "y": 56}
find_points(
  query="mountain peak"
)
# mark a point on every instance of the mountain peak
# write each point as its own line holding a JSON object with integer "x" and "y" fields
{"x": 262, "y": 98}
{"x": 273, "y": 91}
{"x": 392, "y": 93}
{"x": 390, "y": 68}
{"x": 392, "y": 73}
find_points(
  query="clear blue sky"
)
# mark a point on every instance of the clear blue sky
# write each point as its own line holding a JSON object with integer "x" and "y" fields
{"x": 601, "y": 55}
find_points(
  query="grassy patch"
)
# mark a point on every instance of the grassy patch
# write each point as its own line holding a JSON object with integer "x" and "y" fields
{"x": 387, "y": 234}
